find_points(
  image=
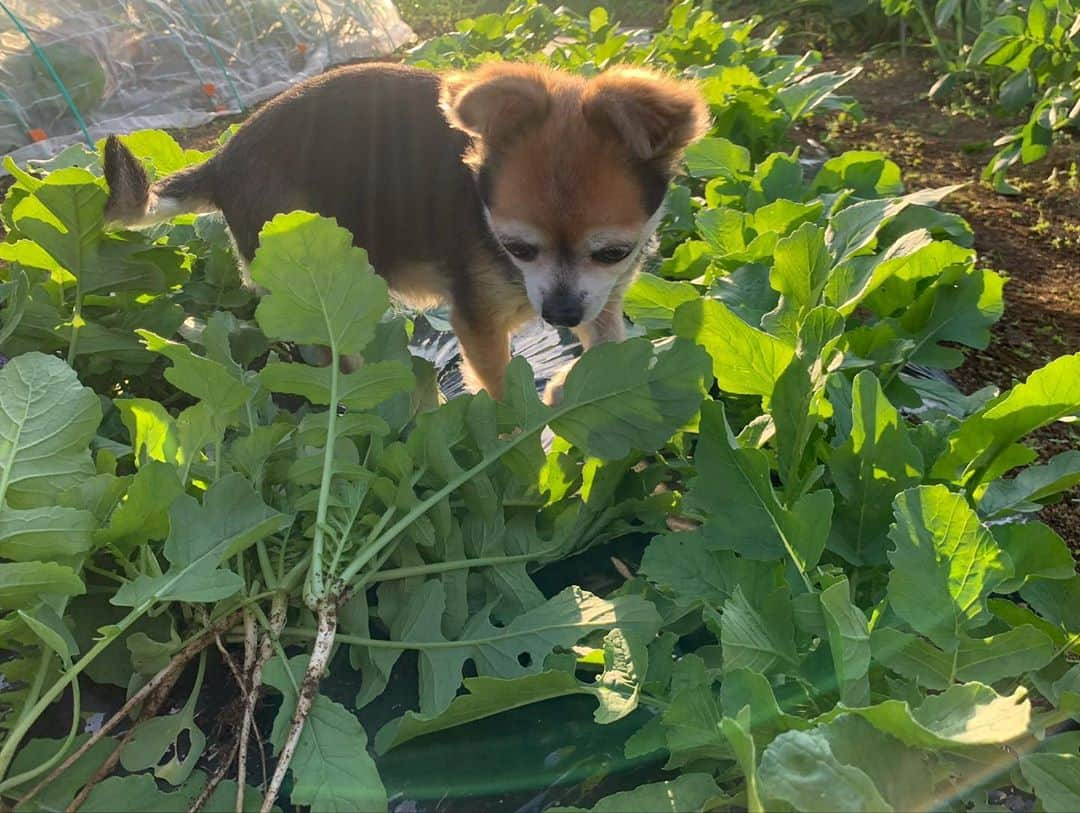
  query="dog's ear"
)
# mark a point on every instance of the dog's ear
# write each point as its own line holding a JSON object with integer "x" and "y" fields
{"x": 654, "y": 116}
{"x": 496, "y": 102}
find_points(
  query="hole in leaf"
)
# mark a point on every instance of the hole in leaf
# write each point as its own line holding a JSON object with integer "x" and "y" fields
{"x": 525, "y": 659}
{"x": 183, "y": 744}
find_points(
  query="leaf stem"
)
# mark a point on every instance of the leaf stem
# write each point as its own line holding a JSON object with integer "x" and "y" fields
{"x": 273, "y": 627}
{"x": 76, "y": 321}
{"x": 265, "y": 565}
{"x": 458, "y": 564}
{"x": 421, "y": 508}
{"x": 315, "y": 585}
{"x": 73, "y": 731}
{"x": 931, "y": 32}
{"x": 308, "y": 634}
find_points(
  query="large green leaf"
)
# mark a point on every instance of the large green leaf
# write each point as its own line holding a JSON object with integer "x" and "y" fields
{"x": 651, "y": 301}
{"x": 799, "y": 768}
{"x": 47, "y": 420}
{"x": 867, "y": 173}
{"x": 913, "y": 657}
{"x": 23, "y": 584}
{"x": 902, "y": 774}
{"x": 687, "y": 568}
{"x": 1056, "y": 780}
{"x": 519, "y": 648}
{"x": 796, "y": 404}
{"x": 64, "y": 215}
{"x": 142, "y": 514}
{"x": 331, "y": 768}
{"x": 322, "y": 289}
{"x": 206, "y": 379}
{"x": 487, "y": 696}
{"x": 45, "y": 533}
{"x": 964, "y": 716}
{"x": 1005, "y": 655}
{"x": 687, "y": 793}
{"x": 853, "y": 230}
{"x": 1036, "y": 552}
{"x": 1057, "y": 600}
{"x": 231, "y": 518}
{"x": 161, "y": 151}
{"x": 717, "y": 157}
{"x": 959, "y": 309}
{"x": 895, "y": 273}
{"x": 945, "y": 564}
{"x": 360, "y": 390}
{"x": 171, "y": 744}
{"x": 57, "y": 795}
{"x": 691, "y": 722}
{"x": 849, "y": 642}
{"x": 139, "y": 793}
{"x": 742, "y": 688}
{"x": 875, "y": 463}
{"x": 801, "y": 267}
{"x": 745, "y": 360}
{"x": 978, "y": 448}
{"x": 626, "y": 396}
{"x": 733, "y": 489}
{"x": 1031, "y": 486}
{"x": 757, "y": 638}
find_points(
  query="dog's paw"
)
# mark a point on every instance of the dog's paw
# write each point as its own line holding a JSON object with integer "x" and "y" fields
{"x": 553, "y": 392}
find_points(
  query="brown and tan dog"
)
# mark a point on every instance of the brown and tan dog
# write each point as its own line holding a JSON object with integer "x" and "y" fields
{"x": 508, "y": 191}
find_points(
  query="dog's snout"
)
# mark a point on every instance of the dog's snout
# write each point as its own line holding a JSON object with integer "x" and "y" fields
{"x": 563, "y": 309}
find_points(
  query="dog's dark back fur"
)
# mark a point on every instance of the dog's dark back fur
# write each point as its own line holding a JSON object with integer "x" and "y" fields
{"x": 366, "y": 145}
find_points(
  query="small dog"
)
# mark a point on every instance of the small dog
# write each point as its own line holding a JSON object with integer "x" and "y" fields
{"x": 507, "y": 191}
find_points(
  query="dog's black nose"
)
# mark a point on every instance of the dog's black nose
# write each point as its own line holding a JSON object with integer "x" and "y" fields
{"x": 563, "y": 312}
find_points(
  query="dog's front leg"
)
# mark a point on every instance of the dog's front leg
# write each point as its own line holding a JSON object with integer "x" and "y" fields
{"x": 608, "y": 326}
{"x": 485, "y": 353}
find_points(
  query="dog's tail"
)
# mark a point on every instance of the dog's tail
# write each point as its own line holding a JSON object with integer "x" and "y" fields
{"x": 134, "y": 201}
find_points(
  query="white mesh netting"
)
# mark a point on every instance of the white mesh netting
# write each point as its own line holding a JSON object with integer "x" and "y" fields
{"x": 77, "y": 70}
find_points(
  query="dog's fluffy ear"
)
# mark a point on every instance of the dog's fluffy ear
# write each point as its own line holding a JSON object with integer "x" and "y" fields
{"x": 496, "y": 102}
{"x": 654, "y": 116}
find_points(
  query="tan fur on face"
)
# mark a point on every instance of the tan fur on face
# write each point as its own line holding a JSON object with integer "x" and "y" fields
{"x": 565, "y": 146}
{"x": 565, "y": 180}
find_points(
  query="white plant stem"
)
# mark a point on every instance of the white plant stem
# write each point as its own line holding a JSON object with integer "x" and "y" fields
{"x": 309, "y": 689}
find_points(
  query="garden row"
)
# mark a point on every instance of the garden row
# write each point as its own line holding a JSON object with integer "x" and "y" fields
{"x": 844, "y": 603}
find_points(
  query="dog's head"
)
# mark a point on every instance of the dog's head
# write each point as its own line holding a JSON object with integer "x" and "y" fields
{"x": 572, "y": 172}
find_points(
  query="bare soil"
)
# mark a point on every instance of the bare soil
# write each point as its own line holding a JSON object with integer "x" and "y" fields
{"x": 1033, "y": 239}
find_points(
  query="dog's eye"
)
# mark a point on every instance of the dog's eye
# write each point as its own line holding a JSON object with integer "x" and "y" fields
{"x": 609, "y": 255}
{"x": 526, "y": 252}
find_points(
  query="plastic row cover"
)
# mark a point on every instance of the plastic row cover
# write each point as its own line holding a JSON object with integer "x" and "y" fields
{"x": 77, "y": 70}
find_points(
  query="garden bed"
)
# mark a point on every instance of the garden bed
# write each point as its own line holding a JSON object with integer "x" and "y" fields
{"x": 762, "y": 555}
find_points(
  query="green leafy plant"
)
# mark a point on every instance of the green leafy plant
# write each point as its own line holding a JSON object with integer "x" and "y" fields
{"x": 844, "y": 599}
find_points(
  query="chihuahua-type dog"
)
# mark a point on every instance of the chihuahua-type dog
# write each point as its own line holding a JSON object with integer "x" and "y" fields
{"x": 507, "y": 191}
